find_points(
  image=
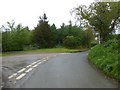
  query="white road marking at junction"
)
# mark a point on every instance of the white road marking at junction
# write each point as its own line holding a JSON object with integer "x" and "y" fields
{"x": 35, "y": 65}
{"x": 22, "y": 75}
{"x": 12, "y": 76}
{"x": 28, "y": 66}
{"x": 21, "y": 70}
{"x": 44, "y": 60}
{"x": 39, "y": 63}
{"x": 29, "y": 70}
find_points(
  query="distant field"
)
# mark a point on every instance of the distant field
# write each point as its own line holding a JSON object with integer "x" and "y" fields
{"x": 48, "y": 50}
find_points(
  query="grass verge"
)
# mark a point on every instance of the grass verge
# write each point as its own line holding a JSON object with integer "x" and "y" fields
{"x": 46, "y": 50}
{"x": 106, "y": 58}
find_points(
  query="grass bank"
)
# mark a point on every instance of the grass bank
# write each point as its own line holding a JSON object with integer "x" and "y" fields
{"x": 106, "y": 58}
{"x": 46, "y": 50}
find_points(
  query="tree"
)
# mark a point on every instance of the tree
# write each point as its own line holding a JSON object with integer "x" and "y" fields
{"x": 102, "y": 16}
{"x": 62, "y": 33}
{"x": 89, "y": 37}
{"x": 14, "y": 38}
{"x": 54, "y": 34}
{"x": 42, "y": 33}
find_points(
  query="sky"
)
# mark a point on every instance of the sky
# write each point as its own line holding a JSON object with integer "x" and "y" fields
{"x": 27, "y": 12}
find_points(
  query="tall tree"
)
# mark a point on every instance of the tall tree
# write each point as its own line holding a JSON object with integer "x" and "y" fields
{"x": 102, "y": 16}
{"x": 54, "y": 34}
{"x": 42, "y": 33}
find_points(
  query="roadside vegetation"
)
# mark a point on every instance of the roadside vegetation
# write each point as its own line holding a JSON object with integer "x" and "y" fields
{"x": 20, "y": 38}
{"x": 104, "y": 17}
{"x": 106, "y": 58}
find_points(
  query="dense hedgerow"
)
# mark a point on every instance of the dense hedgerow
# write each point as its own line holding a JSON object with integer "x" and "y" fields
{"x": 106, "y": 57}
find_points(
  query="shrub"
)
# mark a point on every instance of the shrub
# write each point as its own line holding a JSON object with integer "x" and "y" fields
{"x": 105, "y": 56}
{"x": 71, "y": 42}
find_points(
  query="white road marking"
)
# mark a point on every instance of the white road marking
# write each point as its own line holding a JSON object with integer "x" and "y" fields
{"x": 29, "y": 70}
{"x": 44, "y": 60}
{"x": 28, "y": 66}
{"x": 35, "y": 65}
{"x": 22, "y": 75}
{"x": 21, "y": 70}
{"x": 38, "y": 60}
{"x": 12, "y": 76}
{"x": 38, "y": 63}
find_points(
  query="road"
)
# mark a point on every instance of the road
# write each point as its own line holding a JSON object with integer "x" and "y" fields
{"x": 71, "y": 70}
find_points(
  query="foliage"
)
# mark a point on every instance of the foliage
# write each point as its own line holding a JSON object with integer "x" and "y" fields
{"x": 15, "y": 38}
{"x": 103, "y": 17}
{"x": 54, "y": 34}
{"x": 83, "y": 38}
{"x": 105, "y": 56}
{"x": 71, "y": 42}
{"x": 43, "y": 35}
{"x": 89, "y": 37}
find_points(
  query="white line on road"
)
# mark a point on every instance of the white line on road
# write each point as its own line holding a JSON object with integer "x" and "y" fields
{"x": 29, "y": 70}
{"x": 12, "y": 76}
{"x": 28, "y": 66}
{"x": 22, "y": 75}
{"x": 44, "y": 60}
{"x": 35, "y": 65}
{"x": 39, "y": 63}
{"x": 21, "y": 70}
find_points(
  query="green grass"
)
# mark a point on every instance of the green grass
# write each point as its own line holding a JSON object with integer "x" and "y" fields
{"x": 46, "y": 50}
{"x": 105, "y": 57}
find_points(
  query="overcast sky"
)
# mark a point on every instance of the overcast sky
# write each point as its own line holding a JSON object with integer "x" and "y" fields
{"x": 27, "y": 12}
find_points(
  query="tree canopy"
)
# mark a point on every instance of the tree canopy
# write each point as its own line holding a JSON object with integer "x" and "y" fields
{"x": 43, "y": 36}
{"x": 103, "y": 17}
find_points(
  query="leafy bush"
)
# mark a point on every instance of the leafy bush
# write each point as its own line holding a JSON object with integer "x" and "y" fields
{"x": 71, "y": 42}
{"x": 93, "y": 43}
{"x": 16, "y": 39}
{"x": 105, "y": 57}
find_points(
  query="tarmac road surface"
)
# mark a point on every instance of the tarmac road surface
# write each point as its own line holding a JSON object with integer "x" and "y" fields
{"x": 71, "y": 70}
